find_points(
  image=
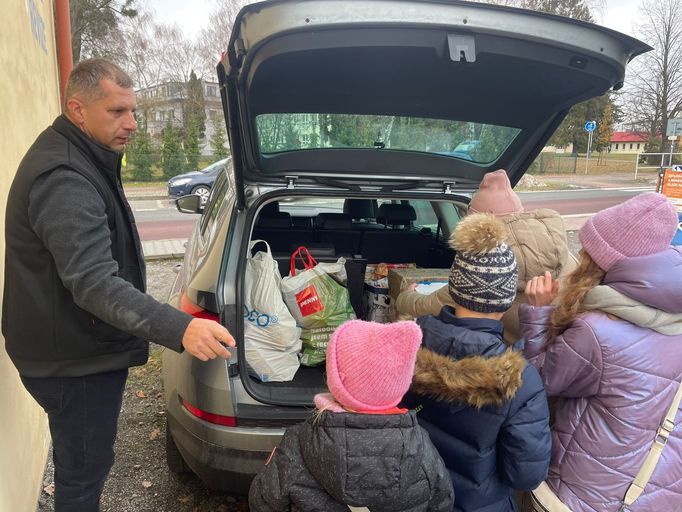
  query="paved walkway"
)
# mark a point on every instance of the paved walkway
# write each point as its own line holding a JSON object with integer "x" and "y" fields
{"x": 175, "y": 248}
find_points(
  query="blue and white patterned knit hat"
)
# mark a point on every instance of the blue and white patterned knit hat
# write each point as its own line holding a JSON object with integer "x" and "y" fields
{"x": 484, "y": 275}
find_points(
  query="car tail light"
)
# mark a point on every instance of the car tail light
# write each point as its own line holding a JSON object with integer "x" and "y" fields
{"x": 217, "y": 419}
{"x": 190, "y": 307}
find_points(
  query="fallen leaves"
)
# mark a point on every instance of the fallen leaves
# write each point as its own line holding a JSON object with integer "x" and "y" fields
{"x": 140, "y": 394}
{"x": 49, "y": 489}
{"x": 154, "y": 434}
{"x": 146, "y": 484}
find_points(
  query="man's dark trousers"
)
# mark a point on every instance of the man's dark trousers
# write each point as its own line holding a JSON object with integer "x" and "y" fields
{"x": 83, "y": 415}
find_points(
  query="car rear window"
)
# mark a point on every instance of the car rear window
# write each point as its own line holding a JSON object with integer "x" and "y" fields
{"x": 475, "y": 142}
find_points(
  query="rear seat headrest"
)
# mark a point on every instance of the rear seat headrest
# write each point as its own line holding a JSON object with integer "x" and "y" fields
{"x": 396, "y": 214}
{"x": 360, "y": 208}
{"x": 333, "y": 221}
{"x": 270, "y": 209}
{"x": 277, "y": 220}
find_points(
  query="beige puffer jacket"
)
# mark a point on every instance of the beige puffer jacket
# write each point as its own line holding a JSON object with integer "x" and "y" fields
{"x": 538, "y": 239}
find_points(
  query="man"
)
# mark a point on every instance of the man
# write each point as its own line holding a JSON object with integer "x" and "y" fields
{"x": 75, "y": 316}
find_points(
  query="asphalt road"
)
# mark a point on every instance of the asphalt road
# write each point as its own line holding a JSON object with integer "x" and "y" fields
{"x": 158, "y": 219}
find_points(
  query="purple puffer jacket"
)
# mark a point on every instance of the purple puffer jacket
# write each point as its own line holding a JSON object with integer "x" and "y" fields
{"x": 615, "y": 370}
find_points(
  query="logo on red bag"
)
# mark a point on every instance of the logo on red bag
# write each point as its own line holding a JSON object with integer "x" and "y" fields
{"x": 308, "y": 301}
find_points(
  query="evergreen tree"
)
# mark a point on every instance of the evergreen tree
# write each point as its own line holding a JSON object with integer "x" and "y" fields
{"x": 218, "y": 140}
{"x": 572, "y": 129}
{"x": 576, "y": 9}
{"x": 195, "y": 106}
{"x": 172, "y": 157}
{"x": 192, "y": 146}
{"x": 92, "y": 21}
{"x": 139, "y": 155}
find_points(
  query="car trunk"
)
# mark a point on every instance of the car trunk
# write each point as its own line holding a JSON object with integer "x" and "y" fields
{"x": 445, "y": 91}
{"x": 359, "y": 230}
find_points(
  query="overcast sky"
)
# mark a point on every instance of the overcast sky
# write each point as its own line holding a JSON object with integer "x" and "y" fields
{"x": 192, "y": 16}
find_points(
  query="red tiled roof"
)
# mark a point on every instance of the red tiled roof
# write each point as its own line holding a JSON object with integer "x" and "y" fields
{"x": 629, "y": 137}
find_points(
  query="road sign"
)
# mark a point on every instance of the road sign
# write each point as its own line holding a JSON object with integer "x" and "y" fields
{"x": 591, "y": 125}
{"x": 672, "y": 137}
{"x": 674, "y": 127}
{"x": 672, "y": 184}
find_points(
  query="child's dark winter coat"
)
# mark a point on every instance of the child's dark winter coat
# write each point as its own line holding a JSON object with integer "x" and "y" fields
{"x": 383, "y": 462}
{"x": 485, "y": 409}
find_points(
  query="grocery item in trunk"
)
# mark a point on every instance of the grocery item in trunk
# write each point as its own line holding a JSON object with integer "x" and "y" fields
{"x": 318, "y": 302}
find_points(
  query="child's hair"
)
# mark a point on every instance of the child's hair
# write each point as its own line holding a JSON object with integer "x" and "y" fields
{"x": 586, "y": 276}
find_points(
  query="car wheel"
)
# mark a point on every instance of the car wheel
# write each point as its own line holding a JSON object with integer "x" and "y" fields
{"x": 203, "y": 192}
{"x": 173, "y": 457}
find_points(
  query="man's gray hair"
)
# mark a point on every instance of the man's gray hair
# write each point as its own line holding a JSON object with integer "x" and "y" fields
{"x": 85, "y": 77}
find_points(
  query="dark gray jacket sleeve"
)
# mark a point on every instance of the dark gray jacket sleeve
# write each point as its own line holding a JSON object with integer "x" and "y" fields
{"x": 68, "y": 215}
{"x": 442, "y": 494}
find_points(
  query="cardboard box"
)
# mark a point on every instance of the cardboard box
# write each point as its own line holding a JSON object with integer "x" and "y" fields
{"x": 401, "y": 278}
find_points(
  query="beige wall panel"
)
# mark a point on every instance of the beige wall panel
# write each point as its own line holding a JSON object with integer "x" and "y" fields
{"x": 29, "y": 101}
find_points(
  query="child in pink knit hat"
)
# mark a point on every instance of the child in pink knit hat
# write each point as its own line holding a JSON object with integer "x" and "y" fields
{"x": 611, "y": 350}
{"x": 359, "y": 448}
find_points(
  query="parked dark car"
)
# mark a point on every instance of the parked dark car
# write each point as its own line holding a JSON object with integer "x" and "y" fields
{"x": 196, "y": 182}
{"x": 339, "y": 115}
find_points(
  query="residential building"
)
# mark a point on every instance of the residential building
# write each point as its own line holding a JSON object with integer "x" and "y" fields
{"x": 165, "y": 101}
{"x": 628, "y": 142}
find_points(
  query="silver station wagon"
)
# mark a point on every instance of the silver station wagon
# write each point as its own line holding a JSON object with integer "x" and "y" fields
{"x": 342, "y": 118}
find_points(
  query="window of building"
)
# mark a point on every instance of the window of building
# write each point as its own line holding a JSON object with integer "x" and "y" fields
{"x": 630, "y": 146}
{"x": 637, "y": 146}
{"x": 211, "y": 114}
{"x": 616, "y": 146}
{"x": 211, "y": 91}
{"x": 305, "y": 139}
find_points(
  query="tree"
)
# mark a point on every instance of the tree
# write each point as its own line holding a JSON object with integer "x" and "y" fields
{"x": 195, "y": 106}
{"x": 191, "y": 143}
{"x": 576, "y": 9}
{"x": 572, "y": 129}
{"x": 139, "y": 155}
{"x": 172, "y": 156}
{"x": 655, "y": 85}
{"x": 92, "y": 21}
{"x": 602, "y": 139}
{"x": 151, "y": 52}
{"x": 213, "y": 39}
{"x": 218, "y": 140}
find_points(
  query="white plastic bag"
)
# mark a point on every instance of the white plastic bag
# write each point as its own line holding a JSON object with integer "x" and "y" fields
{"x": 271, "y": 337}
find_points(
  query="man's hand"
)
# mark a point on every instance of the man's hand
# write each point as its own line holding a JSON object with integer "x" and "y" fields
{"x": 542, "y": 290}
{"x": 204, "y": 339}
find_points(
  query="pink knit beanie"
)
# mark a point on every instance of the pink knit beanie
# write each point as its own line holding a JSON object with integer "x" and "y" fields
{"x": 495, "y": 195}
{"x": 370, "y": 365}
{"x": 643, "y": 225}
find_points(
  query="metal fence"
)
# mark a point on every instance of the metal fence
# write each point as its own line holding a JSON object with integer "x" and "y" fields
{"x": 650, "y": 161}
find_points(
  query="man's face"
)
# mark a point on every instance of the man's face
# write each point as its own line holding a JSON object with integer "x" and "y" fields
{"x": 109, "y": 119}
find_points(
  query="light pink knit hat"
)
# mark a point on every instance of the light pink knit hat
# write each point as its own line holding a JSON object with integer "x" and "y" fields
{"x": 495, "y": 195}
{"x": 643, "y": 225}
{"x": 370, "y": 365}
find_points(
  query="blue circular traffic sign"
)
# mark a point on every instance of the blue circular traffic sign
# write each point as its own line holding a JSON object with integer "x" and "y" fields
{"x": 590, "y": 126}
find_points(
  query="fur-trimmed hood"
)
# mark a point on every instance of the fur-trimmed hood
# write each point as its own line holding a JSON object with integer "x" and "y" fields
{"x": 475, "y": 380}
